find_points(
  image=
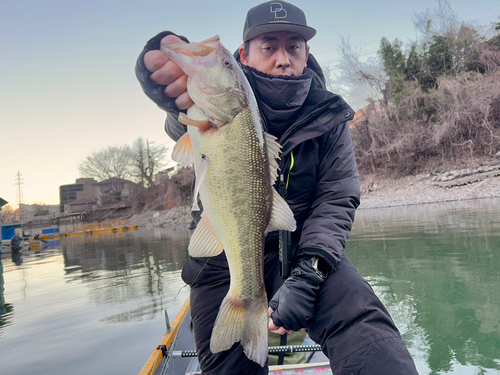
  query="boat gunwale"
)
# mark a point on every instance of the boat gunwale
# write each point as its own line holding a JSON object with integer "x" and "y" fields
{"x": 154, "y": 359}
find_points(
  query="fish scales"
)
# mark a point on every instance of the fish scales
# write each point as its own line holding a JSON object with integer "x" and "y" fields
{"x": 240, "y": 212}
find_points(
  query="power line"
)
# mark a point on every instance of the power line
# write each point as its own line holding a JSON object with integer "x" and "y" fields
{"x": 367, "y": 43}
{"x": 337, "y": 60}
{"x": 371, "y": 51}
{"x": 364, "y": 53}
{"x": 481, "y": 11}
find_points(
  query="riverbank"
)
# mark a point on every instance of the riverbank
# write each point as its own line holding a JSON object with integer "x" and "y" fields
{"x": 378, "y": 192}
{"x": 455, "y": 185}
{"x": 179, "y": 216}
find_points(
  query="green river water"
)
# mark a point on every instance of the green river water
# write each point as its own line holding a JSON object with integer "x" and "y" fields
{"x": 95, "y": 304}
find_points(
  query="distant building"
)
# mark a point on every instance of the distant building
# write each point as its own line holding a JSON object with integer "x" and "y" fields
{"x": 115, "y": 192}
{"x": 83, "y": 187}
{"x": 80, "y": 205}
{"x": 32, "y": 212}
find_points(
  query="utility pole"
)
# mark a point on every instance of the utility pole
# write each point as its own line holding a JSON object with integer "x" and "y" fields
{"x": 150, "y": 163}
{"x": 19, "y": 192}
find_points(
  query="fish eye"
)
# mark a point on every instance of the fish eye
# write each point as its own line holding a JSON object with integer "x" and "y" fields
{"x": 226, "y": 62}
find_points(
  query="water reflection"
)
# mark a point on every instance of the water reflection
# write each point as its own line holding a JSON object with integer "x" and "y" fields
{"x": 5, "y": 308}
{"x": 437, "y": 269}
{"x": 123, "y": 267}
{"x": 102, "y": 291}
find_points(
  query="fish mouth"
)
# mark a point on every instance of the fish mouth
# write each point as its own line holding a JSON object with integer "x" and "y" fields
{"x": 185, "y": 55}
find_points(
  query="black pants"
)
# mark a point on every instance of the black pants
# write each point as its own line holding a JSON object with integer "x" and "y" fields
{"x": 351, "y": 324}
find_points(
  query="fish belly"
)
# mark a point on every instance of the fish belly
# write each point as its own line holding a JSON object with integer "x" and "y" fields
{"x": 237, "y": 199}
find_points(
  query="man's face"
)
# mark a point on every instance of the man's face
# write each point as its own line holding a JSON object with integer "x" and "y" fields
{"x": 279, "y": 53}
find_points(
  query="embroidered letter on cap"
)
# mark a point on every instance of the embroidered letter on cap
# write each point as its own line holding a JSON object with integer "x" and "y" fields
{"x": 278, "y": 10}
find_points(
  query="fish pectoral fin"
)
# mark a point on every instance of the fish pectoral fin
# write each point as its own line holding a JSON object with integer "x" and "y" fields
{"x": 202, "y": 125}
{"x": 204, "y": 242}
{"x": 244, "y": 322}
{"x": 200, "y": 173}
{"x": 281, "y": 215}
{"x": 183, "y": 151}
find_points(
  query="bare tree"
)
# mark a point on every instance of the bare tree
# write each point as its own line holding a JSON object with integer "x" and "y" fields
{"x": 7, "y": 214}
{"x": 108, "y": 163}
{"x": 439, "y": 21}
{"x": 147, "y": 161}
{"x": 362, "y": 82}
{"x": 357, "y": 81}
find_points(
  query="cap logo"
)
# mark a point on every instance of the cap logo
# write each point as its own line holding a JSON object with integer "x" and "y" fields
{"x": 278, "y": 10}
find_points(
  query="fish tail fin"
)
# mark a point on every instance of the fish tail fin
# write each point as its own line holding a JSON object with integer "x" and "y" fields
{"x": 235, "y": 322}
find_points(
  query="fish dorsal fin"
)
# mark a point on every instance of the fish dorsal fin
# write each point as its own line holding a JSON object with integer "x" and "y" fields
{"x": 183, "y": 151}
{"x": 281, "y": 215}
{"x": 204, "y": 242}
{"x": 273, "y": 153}
{"x": 201, "y": 172}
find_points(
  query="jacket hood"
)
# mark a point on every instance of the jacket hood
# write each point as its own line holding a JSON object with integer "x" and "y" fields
{"x": 320, "y": 112}
{"x": 281, "y": 98}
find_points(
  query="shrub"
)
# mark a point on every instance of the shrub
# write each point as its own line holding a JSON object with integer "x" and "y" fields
{"x": 457, "y": 122}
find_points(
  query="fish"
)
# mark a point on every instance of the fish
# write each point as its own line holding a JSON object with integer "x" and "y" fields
{"x": 236, "y": 165}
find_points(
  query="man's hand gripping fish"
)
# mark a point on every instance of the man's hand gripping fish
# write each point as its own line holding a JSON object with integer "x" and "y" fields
{"x": 236, "y": 165}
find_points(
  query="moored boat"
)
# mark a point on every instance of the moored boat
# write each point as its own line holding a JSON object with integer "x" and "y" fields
{"x": 25, "y": 244}
{"x": 6, "y": 246}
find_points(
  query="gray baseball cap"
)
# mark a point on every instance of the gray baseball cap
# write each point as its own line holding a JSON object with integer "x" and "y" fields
{"x": 274, "y": 16}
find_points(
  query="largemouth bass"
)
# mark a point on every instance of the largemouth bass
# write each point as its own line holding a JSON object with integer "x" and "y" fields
{"x": 236, "y": 165}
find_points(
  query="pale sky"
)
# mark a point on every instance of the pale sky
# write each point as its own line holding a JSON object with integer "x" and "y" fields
{"x": 67, "y": 83}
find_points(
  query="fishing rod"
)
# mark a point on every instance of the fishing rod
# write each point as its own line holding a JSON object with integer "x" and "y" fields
{"x": 271, "y": 350}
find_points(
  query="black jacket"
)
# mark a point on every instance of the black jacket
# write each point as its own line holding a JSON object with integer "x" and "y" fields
{"x": 317, "y": 163}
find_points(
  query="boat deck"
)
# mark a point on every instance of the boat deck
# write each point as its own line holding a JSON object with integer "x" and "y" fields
{"x": 179, "y": 360}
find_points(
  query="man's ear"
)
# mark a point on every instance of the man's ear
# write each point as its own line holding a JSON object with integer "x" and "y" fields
{"x": 307, "y": 55}
{"x": 243, "y": 55}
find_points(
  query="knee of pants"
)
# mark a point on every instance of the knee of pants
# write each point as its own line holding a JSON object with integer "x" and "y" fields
{"x": 202, "y": 271}
{"x": 389, "y": 357}
{"x": 348, "y": 314}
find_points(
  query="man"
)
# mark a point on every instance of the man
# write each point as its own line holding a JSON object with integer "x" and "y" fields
{"x": 324, "y": 294}
{"x": 15, "y": 243}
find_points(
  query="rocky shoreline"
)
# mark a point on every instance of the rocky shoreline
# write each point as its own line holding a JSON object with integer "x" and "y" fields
{"x": 454, "y": 185}
{"x": 176, "y": 217}
{"x": 379, "y": 192}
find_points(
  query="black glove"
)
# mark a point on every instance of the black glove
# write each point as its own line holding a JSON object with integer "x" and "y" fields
{"x": 295, "y": 301}
{"x": 153, "y": 90}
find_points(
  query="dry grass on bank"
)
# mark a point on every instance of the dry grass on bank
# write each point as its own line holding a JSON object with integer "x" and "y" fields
{"x": 457, "y": 124}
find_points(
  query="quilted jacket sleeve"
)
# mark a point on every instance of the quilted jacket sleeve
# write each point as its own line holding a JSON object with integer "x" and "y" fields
{"x": 337, "y": 195}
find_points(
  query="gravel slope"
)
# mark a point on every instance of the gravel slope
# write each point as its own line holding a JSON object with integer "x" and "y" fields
{"x": 384, "y": 192}
{"x": 377, "y": 191}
